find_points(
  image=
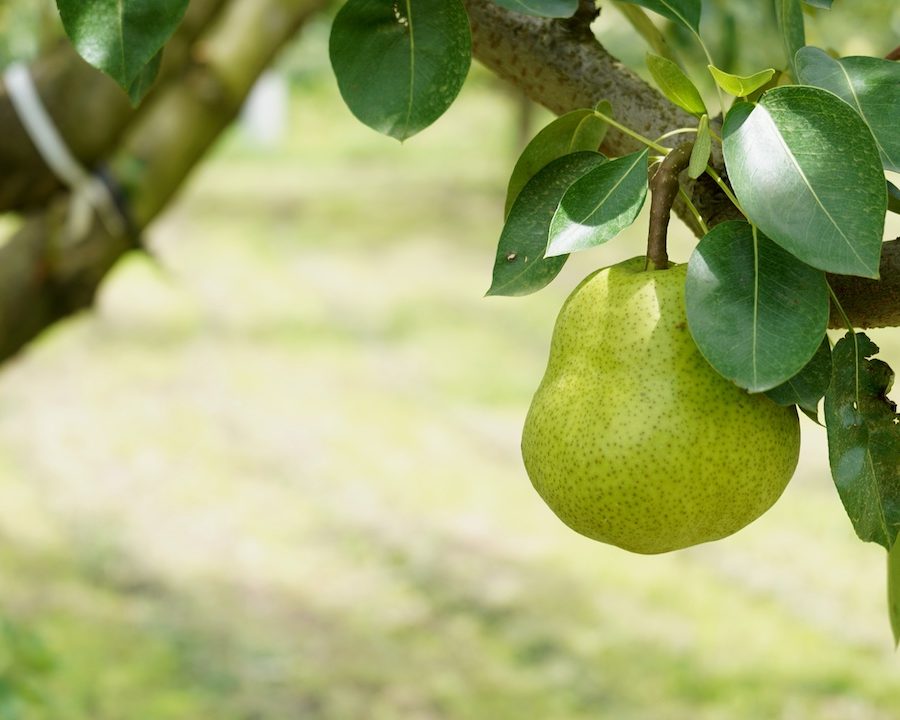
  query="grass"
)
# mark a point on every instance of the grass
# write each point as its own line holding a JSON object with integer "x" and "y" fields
{"x": 276, "y": 475}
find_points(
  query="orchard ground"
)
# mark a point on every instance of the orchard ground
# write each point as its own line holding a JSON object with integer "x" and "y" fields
{"x": 276, "y": 475}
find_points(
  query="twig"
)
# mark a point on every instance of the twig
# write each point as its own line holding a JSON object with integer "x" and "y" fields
{"x": 664, "y": 189}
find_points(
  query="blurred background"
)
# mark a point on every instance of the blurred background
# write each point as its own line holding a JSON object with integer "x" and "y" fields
{"x": 275, "y": 473}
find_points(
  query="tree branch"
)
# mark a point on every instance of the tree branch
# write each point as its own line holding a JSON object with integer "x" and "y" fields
{"x": 90, "y": 111}
{"x": 563, "y": 71}
{"x": 42, "y": 276}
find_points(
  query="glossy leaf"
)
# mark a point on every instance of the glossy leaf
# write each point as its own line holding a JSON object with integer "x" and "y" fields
{"x": 121, "y": 37}
{"x": 574, "y": 131}
{"x": 740, "y": 85}
{"x": 520, "y": 267}
{"x": 599, "y": 205}
{"x": 701, "y": 150}
{"x": 807, "y": 172}
{"x": 145, "y": 79}
{"x": 894, "y": 591}
{"x": 864, "y": 439}
{"x": 675, "y": 85}
{"x": 541, "y": 8}
{"x": 808, "y": 386}
{"x": 757, "y": 313}
{"x": 893, "y": 197}
{"x": 399, "y": 65}
{"x": 871, "y": 86}
{"x": 789, "y": 16}
{"x": 686, "y": 12}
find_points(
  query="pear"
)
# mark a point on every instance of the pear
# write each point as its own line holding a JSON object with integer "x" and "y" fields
{"x": 633, "y": 438}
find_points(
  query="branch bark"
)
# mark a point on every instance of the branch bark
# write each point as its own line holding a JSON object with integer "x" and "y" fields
{"x": 563, "y": 71}
{"x": 42, "y": 278}
{"x": 90, "y": 111}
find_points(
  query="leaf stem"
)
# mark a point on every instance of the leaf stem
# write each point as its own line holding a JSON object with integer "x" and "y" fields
{"x": 631, "y": 133}
{"x": 837, "y": 304}
{"x": 725, "y": 189}
{"x": 694, "y": 211}
{"x": 710, "y": 61}
{"x": 675, "y": 132}
{"x": 840, "y": 309}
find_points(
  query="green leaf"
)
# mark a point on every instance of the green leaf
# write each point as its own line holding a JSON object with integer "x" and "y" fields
{"x": 806, "y": 171}
{"x": 864, "y": 439}
{"x": 541, "y": 8}
{"x": 675, "y": 85}
{"x": 701, "y": 150}
{"x": 120, "y": 37}
{"x": 740, "y": 85}
{"x": 894, "y": 591}
{"x": 825, "y": 4}
{"x": 893, "y": 197}
{"x": 789, "y": 16}
{"x": 145, "y": 79}
{"x": 520, "y": 267}
{"x": 756, "y": 312}
{"x": 686, "y": 12}
{"x": 599, "y": 205}
{"x": 399, "y": 65}
{"x": 644, "y": 26}
{"x": 807, "y": 387}
{"x": 871, "y": 86}
{"x": 577, "y": 130}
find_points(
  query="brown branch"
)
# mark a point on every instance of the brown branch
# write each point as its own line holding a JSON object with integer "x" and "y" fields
{"x": 871, "y": 303}
{"x": 565, "y": 71}
{"x": 44, "y": 278}
{"x": 664, "y": 186}
{"x": 90, "y": 111}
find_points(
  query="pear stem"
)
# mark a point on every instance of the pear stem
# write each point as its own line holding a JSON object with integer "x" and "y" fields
{"x": 664, "y": 187}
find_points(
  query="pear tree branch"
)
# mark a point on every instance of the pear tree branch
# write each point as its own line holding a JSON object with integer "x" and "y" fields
{"x": 563, "y": 70}
{"x": 45, "y": 277}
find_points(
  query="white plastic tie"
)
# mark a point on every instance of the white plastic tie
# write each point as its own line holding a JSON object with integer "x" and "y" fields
{"x": 88, "y": 191}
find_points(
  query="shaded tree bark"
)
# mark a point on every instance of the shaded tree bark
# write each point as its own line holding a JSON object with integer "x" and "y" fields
{"x": 43, "y": 277}
{"x": 91, "y": 112}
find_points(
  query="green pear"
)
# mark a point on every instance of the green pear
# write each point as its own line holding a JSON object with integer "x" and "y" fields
{"x": 633, "y": 438}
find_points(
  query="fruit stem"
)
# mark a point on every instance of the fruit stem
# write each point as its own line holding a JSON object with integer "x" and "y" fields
{"x": 664, "y": 187}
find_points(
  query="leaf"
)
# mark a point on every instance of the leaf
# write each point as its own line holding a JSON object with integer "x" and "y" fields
{"x": 520, "y": 267}
{"x": 864, "y": 439}
{"x": 808, "y": 386}
{"x": 675, "y": 85}
{"x": 399, "y": 65}
{"x": 825, "y": 4}
{"x": 686, "y": 12}
{"x": 541, "y": 8}
{"x": 644, "y": 26}
{"x": 806, "y": 171}
{"x": 894, "y": 591}
{"x": 871, "y": 86}
{"x": 145, "y": 79}
{"x": 120, "y": 37}
{"x": 577, "y": 130}
{"x": 701, "y": 150}
{"x": 893, "y": 197}
{"x": 600, "y": 205}
{"x": 756, "y": 312}
{"x": 789, "y": 16}
{"x": 740, "y": 85}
